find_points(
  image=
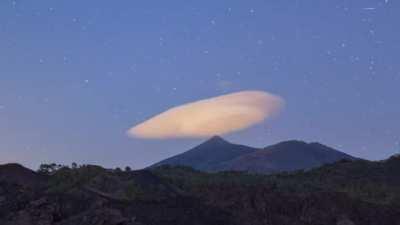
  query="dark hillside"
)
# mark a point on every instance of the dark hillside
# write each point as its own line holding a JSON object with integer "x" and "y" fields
{"x": 217, "y": 154}
{"x": 287, "y": 156}
{"x": 209, "y": 156}
{"x": 342, "y": 193}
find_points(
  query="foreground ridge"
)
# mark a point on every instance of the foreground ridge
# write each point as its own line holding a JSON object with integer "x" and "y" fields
{"x": 345, "y": 192}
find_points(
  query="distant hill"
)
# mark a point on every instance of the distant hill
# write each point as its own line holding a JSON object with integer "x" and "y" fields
{"x": 208, "y": 156}
{"x": 218, "y": 154}
{"x": 287, "y": 156}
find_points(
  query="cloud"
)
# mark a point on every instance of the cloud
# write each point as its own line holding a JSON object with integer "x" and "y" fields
{"x": 214, "y": 116}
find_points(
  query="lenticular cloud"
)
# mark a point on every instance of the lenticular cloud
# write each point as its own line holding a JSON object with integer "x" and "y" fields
{"x": 214, "y": 116}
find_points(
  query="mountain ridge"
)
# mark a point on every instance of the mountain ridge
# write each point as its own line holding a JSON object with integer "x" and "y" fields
{"x": 217, "y": 154}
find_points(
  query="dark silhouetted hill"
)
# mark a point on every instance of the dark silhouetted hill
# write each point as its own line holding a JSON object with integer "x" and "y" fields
{"x": 217, "y": 154}
{"x": 287, "y": 156}
{"x": 208, "y": 156}
{"x": 19, "y": 175}
{"x": 347, "y": 192}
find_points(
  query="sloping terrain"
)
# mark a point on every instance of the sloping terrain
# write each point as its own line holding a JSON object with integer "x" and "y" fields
{"x": 209, "y": 156}
{"x": 218, "y": 154}
{"x": 344, "y": 193}
{"x": 286, "y": 156}
{"x": 19, "y": 175}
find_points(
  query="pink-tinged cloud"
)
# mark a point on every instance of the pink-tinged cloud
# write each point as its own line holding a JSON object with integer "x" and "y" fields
{"x": 214, "y": 116}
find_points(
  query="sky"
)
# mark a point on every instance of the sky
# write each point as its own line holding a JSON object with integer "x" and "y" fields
{"x": 76, "y": 75}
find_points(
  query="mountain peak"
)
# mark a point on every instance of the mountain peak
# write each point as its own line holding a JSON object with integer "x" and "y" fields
{"x": 216, "y": 140}
{"x": 208, "y": 156}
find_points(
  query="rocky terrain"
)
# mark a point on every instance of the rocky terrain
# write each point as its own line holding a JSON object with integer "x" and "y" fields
{"x": 343, "y": 193}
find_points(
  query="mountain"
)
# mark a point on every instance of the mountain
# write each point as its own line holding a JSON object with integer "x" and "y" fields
{"x": 218, "y": 154}
{"x": 287, "y": 156}
{"x": 208, "y": 156}
{"x": 341, "y": 193}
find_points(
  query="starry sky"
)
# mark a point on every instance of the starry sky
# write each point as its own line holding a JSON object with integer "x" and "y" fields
{"x": 75, "y": 75}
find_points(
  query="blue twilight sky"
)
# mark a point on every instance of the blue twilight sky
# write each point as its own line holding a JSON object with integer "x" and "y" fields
{"x": 75, "y": 75}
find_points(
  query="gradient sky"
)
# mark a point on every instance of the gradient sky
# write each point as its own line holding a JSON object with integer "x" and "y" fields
{"x": 75, "y": 75}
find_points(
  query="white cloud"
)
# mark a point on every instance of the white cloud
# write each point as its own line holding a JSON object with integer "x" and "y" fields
{"x": 214, "y": 116}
